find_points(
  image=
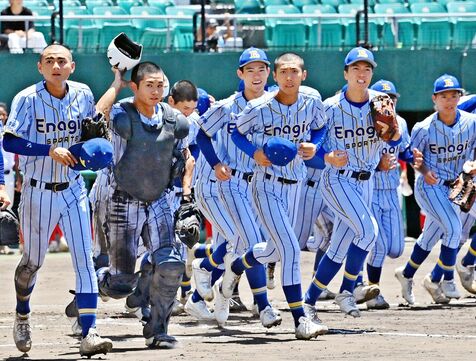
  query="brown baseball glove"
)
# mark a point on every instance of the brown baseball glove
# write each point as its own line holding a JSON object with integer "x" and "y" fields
{"x": 383, "y": 115}
{"x": 463, "y": 191}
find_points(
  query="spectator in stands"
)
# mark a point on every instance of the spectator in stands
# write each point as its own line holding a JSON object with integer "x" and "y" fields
{"x": 215, "y": 40}
{"x": 20, "y": 37}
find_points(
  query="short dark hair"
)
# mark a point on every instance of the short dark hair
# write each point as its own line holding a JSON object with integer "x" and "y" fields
{"x": 142, "y": 69}
{"x": 4, "y": 106}
{"x": 56, "y": 44}
{"x": 184, "y": 91}
{"x": 289, "y": 56}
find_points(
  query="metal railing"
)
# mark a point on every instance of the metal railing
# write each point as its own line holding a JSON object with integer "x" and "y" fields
{"x": 237, "y": 19}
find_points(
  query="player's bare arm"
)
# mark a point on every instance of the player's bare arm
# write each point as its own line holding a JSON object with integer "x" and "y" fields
{"x": 4, "y": 199}
{"x": 337, "y": 158}
{"x": 106, "y": 102}
{"x": 188, "y": 172}
{"x": 261, "y": 158}
{"x": 222, "y": 172}
{"x": 417, "y": 158}
{"x": 62, "y": 156}
{"x": 307, "y": 150}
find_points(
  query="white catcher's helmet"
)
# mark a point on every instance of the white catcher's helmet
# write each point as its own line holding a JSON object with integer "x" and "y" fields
{"x": 124, "y": 53}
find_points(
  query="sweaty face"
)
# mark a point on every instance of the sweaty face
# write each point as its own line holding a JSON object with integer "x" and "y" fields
{"x": 359, "y": 75}
{"x": 186, "y": 107}
{"x": 289, "y": 77}
{"x": 150, "y": 89}
{"x": 254, "y": 75}
{"x": 56, "y": 64}
{"x": 447, "y": 101}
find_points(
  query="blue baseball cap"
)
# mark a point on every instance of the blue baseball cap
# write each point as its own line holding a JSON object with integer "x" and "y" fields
{"x": 203, "y": 101}
{"x": 253, "y": 54}
{"x": 446, "y": 82}
{"x": 94, "y": 154}
{"x": 280, "y": 151}
{"x": 360, "y": 54}
{"x": 385, "y": 86}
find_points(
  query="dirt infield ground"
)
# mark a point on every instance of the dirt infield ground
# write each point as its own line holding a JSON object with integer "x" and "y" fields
{"x": 425, "y": 332}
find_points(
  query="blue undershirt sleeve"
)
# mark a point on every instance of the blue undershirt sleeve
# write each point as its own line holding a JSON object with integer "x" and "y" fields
{"x": 206, "y": 147}
{"x": 243, "y": 143}
{"x": 17, "y": 145}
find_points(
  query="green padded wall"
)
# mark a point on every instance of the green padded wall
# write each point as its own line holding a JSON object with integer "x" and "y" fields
{"x": 412, "y": 71}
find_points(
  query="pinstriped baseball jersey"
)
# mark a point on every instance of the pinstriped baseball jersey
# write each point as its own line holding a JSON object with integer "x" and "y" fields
{"x": 265, "y": 117}
{"x": 39, "y": 117}
{"x": 221, "y": 116}
{"x": 351, "y": 128}
{"x": 391, "y": 179}
{"x": 444, "y": 148}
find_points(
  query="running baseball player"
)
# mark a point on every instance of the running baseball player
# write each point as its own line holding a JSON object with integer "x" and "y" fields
{"x": 287, "y": 118}
{"x": 351, "y": 152}
{"x": 4, "y": 198}
{"x": 234, "y": 171}
{"x": 447, "y": 140}
{"x": 140, "y": 209}
{"x": 385, "y": 205}
{"x": 45, "y": 120}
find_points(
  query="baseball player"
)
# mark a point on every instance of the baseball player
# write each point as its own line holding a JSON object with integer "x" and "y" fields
{"x": 4, "y": 198}
{"x": 45, "y": 120}
{"x": 351, "y": 152}
{"x": 295, "y": 116}
{"x": 468, "y": 103}
{"x": 234, "y": 170}
{"x": 140, "y": 208}
{"x": 385, "y": 205}
{"x": 447, "y": 139}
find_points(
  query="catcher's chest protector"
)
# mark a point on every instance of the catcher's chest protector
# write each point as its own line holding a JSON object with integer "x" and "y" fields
{"x": 144, "y": 169}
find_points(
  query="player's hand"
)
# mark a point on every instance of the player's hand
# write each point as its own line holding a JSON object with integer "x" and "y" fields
{"x": 222, "y": 172}
{"x": 261, "y": 158}
{"x": 387, "y": 162}
{"x": 4, "y": 199}
{"x": 63, "y": 156}
{"x": 119, "y": 81}
{"x": 430, "y": 178}
{"x": 337, "y": 158}
{"x": 307, "y": 150}
{"x": 417, "y": 158}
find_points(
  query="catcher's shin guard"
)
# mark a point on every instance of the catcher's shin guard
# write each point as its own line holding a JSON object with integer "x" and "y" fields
{"x": 166, "y": 278}
{"x": 140, "y": 297}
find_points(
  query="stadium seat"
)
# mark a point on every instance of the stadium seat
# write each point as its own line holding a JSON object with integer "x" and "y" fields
{"x": 464, "y": 29}
{"x": 432, "y": 33}
{"x": 91, "y": 4}
{"x": 350, "y": 25}
{"x": 300, "y": 3}
{"x": 34, "y": 3}
{"x": 275, "y": 2}
{"x": 82, "y": 34}
{"x": 248, "y": 7}
{"x": 70, "y": 4}
{"x": 182, "y": 29}
{"x": 271, "y": 23}
{"x": 43, "y": 26}
{"x": 154, "y": 32}
{"x": 406, "y": 31}
{"x": 111, "y": 27}
{"x": 361, "y": 2}
{"x": 391, "y": 1}
{"x": 334, "y": 3}
{"x": 330, "y": 29}
{"x": 127, "y": 4}
{"x": 288, "y": 35}
{"x": 161, "y": 4}
{"x": 411, "y": 2}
